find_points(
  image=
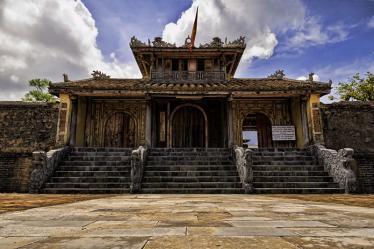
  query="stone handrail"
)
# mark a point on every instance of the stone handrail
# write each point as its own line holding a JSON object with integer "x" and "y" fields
{"x": 340, "y": 165}
{"x": 44, "y": 164}
{"x": 138, "y": 159}
{"x": 244, "y": 162}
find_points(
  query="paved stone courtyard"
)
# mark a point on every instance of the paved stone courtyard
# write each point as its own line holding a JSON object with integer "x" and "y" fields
{"x": 189, "y": 221}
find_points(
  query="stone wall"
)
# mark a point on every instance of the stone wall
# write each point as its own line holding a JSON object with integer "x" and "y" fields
{"x": 366, "y": 171}
{"x": 351, "y": 125}
{"x": 24, "y": 128}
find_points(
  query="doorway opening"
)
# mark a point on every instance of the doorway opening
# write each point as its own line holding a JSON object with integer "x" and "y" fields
{"x": 120, "y": 131}
{"x": 256, "y": 131}
{"x": 189, "y": 127}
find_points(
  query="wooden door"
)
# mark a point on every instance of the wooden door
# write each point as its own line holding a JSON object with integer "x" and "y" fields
{"x": 263, "y": 125}
{"x": 188, "y": 128}
{"x": 120, "y": 131}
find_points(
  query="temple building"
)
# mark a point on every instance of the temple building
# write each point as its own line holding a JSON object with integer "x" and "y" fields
{"x": 189, "y": 98}
{"x": 189, "y": 126}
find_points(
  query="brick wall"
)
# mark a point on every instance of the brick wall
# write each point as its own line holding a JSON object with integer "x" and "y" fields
{"x": 24, "y": 128}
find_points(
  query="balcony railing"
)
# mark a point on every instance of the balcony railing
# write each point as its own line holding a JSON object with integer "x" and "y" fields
{"x": 192, "y": 77}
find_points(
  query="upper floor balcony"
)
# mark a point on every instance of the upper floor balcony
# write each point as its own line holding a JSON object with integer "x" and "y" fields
{"x": 189, "y": 76}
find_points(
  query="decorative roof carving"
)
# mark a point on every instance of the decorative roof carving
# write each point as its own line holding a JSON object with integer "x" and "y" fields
{"x": 137, "y": 43}
{"x": 279, "y": 74}
{"x": 98, "y": 75}
{"x": 215, "y": 43}
{"x": 158, "y": 42}
{"x": 240, "y": 42}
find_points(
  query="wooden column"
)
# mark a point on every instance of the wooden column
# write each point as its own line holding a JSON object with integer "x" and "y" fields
{"x": 73, "y": 123}
{"x": 304, "y": 121}
{"x": 230, "y": 131}
{"x": 148, "y": 123}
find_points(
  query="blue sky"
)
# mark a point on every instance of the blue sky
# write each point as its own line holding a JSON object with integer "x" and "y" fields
{"x": 44, "y": 39}
{"x": 147, "y": 18}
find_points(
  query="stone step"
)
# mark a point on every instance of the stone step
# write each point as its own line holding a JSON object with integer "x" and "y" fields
{"x": 100, "y": 154}
{"x": 209, "y": 173}
{"x": 98, "y": 158}
{"x": 288, "y": 168}
{"x": 86, "y": 190}
{"x": 94, "y": 168}
{"x": 95, "y": 163}
{"x": 150, "y": 179}
{"x": 299, "y": 190}
{"x": 118, "y": 179}
{"x": 201, "y": 153}
{"x": 290, "y": 173}
{"x": 87, "y": 185}
{"x": 280, "y": 149}
{"x": 295, "y": 185}
{"x": 282, "y": 158}
{"x": 176, "y": 163}
{"x": 192, "y": 191}
{"x": 60, "y": 173}
{"x": 284, "y": 162}
{"x": 191, "y": 185}
{"x": 102, "y": 149}
{"x": 282, "y": 153}
{"x": 188, "y": 158}
{"x": 189, "y": 149}
{"x": 189, "y": 167}
{"x": 293, "y": 179}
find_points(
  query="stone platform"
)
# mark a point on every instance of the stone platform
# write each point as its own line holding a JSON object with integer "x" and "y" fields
{"x": 189, "y": 221}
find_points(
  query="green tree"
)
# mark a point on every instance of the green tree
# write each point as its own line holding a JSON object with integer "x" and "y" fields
{"x": 39, "y": 93}
{"x": 361, "y": 89}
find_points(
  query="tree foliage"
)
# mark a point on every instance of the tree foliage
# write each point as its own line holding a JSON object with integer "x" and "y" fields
{"x": 361, "y": 89}
{"x": 39, "y": 93}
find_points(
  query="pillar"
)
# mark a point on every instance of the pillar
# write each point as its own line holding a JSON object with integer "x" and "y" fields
{"x": 230, "y": 132}
{"x": 148, "y": 123}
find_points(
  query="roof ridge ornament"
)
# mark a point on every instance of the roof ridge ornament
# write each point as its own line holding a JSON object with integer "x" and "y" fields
{"x": 279, "y": 74}
{"x": 134, "y": 42}
{"x": 158, "y": 42}
{"x": 98, "y": 75}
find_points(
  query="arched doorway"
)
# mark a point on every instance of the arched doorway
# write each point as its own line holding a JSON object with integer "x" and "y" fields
{"x": 256, "y": 131}
{"x": 189, "y": 127}
{"x": 119, "y": 131}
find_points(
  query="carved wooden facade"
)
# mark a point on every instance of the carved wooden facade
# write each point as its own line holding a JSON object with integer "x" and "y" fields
{"x": 277, "y": 110}
{"x": 101, "y": 113}
{"x": 132, "y": 112}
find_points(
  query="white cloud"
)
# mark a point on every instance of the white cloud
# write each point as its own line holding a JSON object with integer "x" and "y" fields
{"x": 257, "y": 20}
{"x": 371, "y": 22}
{"x": 312, "y": 32}
{"x": 315, "y": 77}
{"x": 43, "y": 39}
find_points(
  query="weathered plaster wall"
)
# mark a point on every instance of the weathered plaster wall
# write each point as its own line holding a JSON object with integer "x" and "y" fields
{"x": 24, "y": 128}
{"x": 351, "y": 125}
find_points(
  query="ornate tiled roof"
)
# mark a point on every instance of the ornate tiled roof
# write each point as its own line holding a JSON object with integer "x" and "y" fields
{"x": 235, "y": 84}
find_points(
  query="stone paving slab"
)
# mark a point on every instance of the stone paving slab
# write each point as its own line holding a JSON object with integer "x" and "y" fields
{"x": 189, "y": 221}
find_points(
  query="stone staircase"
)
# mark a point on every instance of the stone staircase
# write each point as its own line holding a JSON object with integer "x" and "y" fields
{"x": 191, "y": 170}
{"x": 290, "y": 171}
{"x": 92, "y": 171}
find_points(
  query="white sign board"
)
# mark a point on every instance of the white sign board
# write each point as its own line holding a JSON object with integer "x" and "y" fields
{"x": 283, "y": 133}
